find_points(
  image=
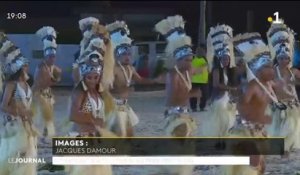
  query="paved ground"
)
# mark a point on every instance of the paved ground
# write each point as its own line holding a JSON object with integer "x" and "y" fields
{"x": 149, "y": 107}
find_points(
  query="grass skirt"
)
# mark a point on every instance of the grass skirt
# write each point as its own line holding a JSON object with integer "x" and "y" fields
{"x": 221, "y": 117}
{"x": 18, "y": 140}
{"x": 286, "y": 124}
{"x": 122, "y": 119}
{"x": 180, "y": 125}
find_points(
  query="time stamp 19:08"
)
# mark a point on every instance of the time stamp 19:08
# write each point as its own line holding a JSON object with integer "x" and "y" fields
{"x": 19, "y": 15}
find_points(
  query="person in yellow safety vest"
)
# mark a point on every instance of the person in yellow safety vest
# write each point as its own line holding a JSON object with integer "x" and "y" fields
{"x": 199, "y": 79}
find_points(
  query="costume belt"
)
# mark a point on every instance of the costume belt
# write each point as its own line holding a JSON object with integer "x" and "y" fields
{"x": 121, "y": 101}
{"x": 285, "y": 105}
{"x": 176, "y": 110}
{"x": 248, "y": 124}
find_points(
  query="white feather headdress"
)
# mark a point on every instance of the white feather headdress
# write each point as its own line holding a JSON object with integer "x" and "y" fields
{"x": 46, "y": 31}
{"x": 279, "y": 34}
{"x": 179, "y": 44}
{"x": 95, "y": 44}
{"x": 246, "y": 42}
{"x": 86, "y": 25}
{"x": 85, "y": 22}
{"x": 101, "y": 43}
{"x": 119, "y": 32}
{"x": 7, "y": 44}
{"x": 219, "y": 40}
{"x": 253, "y": 51}
{"x": 49, "y": 44}
{"x": 48, "y": 36}
{"x": 177, "y": 49}
{"x": 118, "y": 26}
{"x": 171, "y": 27}
{"x": 13, "y": 61}
{"x": 97, "y": 31}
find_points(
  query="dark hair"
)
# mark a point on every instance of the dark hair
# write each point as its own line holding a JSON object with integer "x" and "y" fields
{"x": 231, "y": 74}
{"x": 217, "y": 63}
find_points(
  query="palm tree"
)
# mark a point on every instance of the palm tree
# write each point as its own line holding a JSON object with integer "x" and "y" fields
{"x": 202, "y": 24}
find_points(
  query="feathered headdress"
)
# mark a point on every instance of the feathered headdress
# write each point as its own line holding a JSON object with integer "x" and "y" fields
{"x": 3, "y": 37}
{"x": 118, "y": 27}
{"x": 179, "y": 44}
{"x": 281, "y": 40}
{"x": 219, "y": 43}
{"x": 48, "y": 36}
{"x": 97, "y": 31}
{"x": 119, "y": 36}
{"x": 171, "y": 27}
{"x": 4, "y": 45}
{"x": 13, "y": 60}
{"x": 96, "y": 44}
{"x": 253, "y": 51}
{"x": 86, "y": 24}
{"x": 101, "y": 46}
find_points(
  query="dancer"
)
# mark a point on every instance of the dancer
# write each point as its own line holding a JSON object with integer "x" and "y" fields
{"x": 286, "y": 123}
{"x": 221, "y": 61}
{"x": 241, "y": 43}
{"x": 46, "y": 75}
{"x": 178, "y": 82}
{"x": 124, "y": 74}
{"x": 179, "y": 123}
{"x": 92, "y": 105}
{"x": 253, "y": 105}
{"x": 19, "y": 135}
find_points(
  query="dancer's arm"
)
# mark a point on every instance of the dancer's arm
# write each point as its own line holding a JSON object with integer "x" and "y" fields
{"x": 136, "y": 77}
{"x": 56, "y": 73}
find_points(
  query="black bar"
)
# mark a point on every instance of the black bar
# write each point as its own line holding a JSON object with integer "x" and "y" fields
{"x": 168, "y": 146}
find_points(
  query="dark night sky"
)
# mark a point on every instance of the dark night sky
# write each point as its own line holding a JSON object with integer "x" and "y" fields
{"x": 232, "y": 13}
